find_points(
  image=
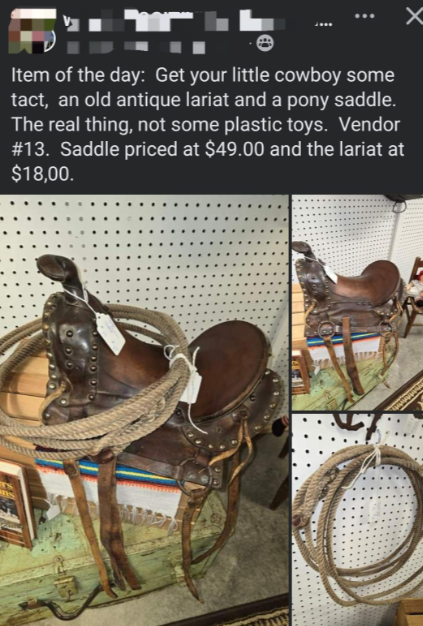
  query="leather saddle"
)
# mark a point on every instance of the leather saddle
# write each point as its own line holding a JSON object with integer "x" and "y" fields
{"x": 369, "y": 303}
{"x": 237, "y": 397}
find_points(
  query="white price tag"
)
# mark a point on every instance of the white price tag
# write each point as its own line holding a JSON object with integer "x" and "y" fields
{"x": 375, "y": 511}
{"x": 110, "y": 332}
{"x": 330, "y": 274}
{"x": 190, "y": 394}
{"x": 412, "y": 425}
{"x": 53, "y": 511}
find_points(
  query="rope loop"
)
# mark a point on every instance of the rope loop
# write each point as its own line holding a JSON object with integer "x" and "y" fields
{"x": 117, "y": 427}
{"x": 328, "y": 485}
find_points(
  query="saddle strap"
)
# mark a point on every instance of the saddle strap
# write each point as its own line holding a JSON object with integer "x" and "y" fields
{"x": 111, "y": 528}
{"x": 385, "y": 342}
{"x": 232, "y": 510}
{"x": 72, "y": 470}
{"x": 349, "y": 357}
{"x": 338, "y": 370}
{"x": 196, "y": 499}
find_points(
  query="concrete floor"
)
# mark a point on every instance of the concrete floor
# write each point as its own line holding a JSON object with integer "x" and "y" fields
{"x": 409, "y": 362}
{"x": 253, "y": 565}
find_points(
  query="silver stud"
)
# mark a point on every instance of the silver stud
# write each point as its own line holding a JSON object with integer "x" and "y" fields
{"x": 68, "y": 350}
{"x": 69, "y": 364}
{"x": 63, "y": 401}
{"x": 197, "y": 442}
{"x": 204, "y": 480}
{"x": 93, "y": 359}
{"x": 95, "y": 346}
{"x": 257, "y": 428}
{"x": 93, "y": 383}
{"x": 46, "y": 327}
{"x": 216, "y": 481}
{"x": 210, "y": 446}
{"x": 93, "y": 368}
{"x": 252, "y": 397}
{"x": 218, "y": 469}
{"x": 266, "y": 418}
{"x": 49, "y": 355}
{"x": 234, "y": 442}
{"x": 267, "y": 372}
{"x": 222, "y": 446}
{"x": 52, "y": 366}
{"x": 273, "y": 405}
{"x": 91, "y": 397}
{"x": 53, "y": 376}
{"x": 95, "y": 333}
{"x": 52, "y": 386}
{"x": 47, "y": 415}
{"x": 276, "y": 393}
{"x": 69, "y": 333}
{"x": 234, "y": 415}
{"x": 276, "y": 380}
{"x": 190, "y": 435}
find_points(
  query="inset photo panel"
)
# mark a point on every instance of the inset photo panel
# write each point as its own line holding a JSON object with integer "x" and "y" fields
{"x": 357, "y": 302}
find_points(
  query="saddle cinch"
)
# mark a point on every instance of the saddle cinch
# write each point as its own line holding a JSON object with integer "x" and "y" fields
{"x": 237, "y": 397}
{"x": 369, "y": 303}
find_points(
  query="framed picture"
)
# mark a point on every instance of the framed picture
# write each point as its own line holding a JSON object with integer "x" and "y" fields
{"x": 299, "y": 373}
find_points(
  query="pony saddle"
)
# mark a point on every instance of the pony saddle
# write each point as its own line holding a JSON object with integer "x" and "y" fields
{"x": 334, "y": 304}
{"x": 238, "y": 396}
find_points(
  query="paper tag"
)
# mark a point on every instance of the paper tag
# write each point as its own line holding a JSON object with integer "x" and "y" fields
{"x": 330, "y": 274}
{"x": 190, "y": 394}
{"x": 316, "y": 370}
{"x": 374, "y": 511}
{"x": 53, "y": 511}
{"x": 110, "y": 332}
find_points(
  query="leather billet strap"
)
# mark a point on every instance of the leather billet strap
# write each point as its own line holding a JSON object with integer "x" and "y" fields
{"x": 196, "y": 500}
{"x": 111, "y": 528}
{"x": 349, "y": 357}
{"x": 72, "y": 470}
{"x": 337, "y": 367}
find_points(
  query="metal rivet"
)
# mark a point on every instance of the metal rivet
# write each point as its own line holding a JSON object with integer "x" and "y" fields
{"x": 53, "y": 376}
{"x": 190, "y": 435}
{"x": 218, "y": 470}
{"x": 95, "y": 346}
{"x": 267, "y": 372}
{"x": 197, "y": 442}
{"x": 95, "y": 333}
{"x": 178, "y": 412}
{"x": 68, "y": 350}
{"x": 210, "y": 446}
{"x": 234, "y": 442}
{"x": 69, "y": 364}
{"x": 216, "y": 481}
{"x": 273, "y": 405}
{"x": 69, "y": 333}
{"x": 91, "y": 397}
{"x": 234, "y": 415}
{"x": 257, "y": 428}
{"x": 47, "y": 415}
{"x": 47, "y": 342}
{"x": 204, "y": 480}
{"x": 93, "y": 383}
{"x": 253, "y": 397}
{"x": 266, "y": 418}
{"x": 276, "y": 380}
{"x": 49, "y": 355}
{"x": 93, "y": 368}
{"x": 46, "y": 327}
{"x": 63, "y": 401}
{"x": 51, "y": 386}
{"x": 222, "y": 446}
{"x": 93, "y": 359}
{"x": 276, "y": 393}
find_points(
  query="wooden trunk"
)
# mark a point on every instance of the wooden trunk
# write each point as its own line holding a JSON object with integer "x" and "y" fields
{"x": 327, "y": 391}
{"x": 61, "y": 560}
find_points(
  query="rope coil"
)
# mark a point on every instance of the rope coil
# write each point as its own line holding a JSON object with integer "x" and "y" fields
{"x": 329, "y": 483}
{"x": 115, "y": 428}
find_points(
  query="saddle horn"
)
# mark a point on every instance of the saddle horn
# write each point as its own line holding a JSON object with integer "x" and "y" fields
{"x": 63, "y": 270}
{"x": 303, "y": 248}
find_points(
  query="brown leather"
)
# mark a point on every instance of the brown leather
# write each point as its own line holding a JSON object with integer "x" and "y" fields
{"x": 111, "y": 527}
{"x": 72, "y": 470}
{"x": 349, "y": 357}
{"x": 236, "y": 385}
{"x": 337, "y": 367}
{"x": 370, "y": 302}
{"x": 195, "y": 501}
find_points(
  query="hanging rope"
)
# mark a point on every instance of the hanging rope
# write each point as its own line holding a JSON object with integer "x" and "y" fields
{"x": 116, "y": 428}
{"x": 329, "y": 483}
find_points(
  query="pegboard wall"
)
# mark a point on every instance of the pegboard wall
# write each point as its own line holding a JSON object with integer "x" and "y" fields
{"x": 408, "y": 238}
{"x": 201, "y": 259}
{"x": 351, "y": 231}
{"x": 358, "y": 539}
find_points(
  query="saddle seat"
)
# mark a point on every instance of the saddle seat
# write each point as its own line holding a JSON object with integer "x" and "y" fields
{"x": 377, "y": 283}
